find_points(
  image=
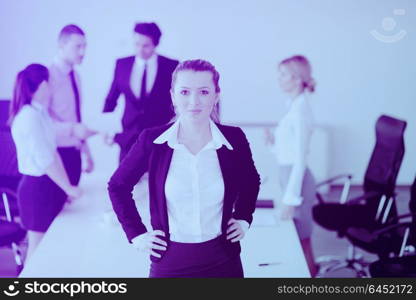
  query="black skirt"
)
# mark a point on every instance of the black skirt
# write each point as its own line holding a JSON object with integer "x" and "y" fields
{"x": 197, "y": 260}
{"x": 71, "y": 158}
{"x": 39, "y": 200}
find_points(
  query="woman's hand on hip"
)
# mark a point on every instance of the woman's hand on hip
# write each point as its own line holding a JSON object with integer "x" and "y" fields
{"x": 236, "y": 230}
{"x": 148, "y": 242}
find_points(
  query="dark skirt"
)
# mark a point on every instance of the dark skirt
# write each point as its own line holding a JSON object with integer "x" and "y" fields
{"x": 71, "y": 158}
{"x": 39, "y": 200}
{"x": 197, "y": 260}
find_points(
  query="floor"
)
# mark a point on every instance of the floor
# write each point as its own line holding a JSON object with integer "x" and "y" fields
{"x": 323, "y": 241}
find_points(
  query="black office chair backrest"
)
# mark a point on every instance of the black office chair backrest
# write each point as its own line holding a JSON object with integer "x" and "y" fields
{"x": 8, "y": 158}
{"x": 4, "y": 114}
{"x": 412, "y": 208}
{"x": 412, "y": 203}
{"x": 9, "y": 174}
{"x": 387, "y": 156}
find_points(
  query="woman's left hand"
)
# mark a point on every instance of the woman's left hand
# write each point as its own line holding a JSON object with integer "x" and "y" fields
{"x": 236, "y": 230}
{"x": 287, "y": 212}
{"x": 89, "y": 166}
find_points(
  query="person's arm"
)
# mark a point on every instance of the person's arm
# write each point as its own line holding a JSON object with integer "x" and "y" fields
{"x": 56, "y": 172}
{"x": 89, "y": 166}
{"x": 250, "y": 182}
{"x": 114, "y": 93}
{"x": 292, "y": 195}
{"x": 237, "y": 229}
{"x": 249, "y": 188}
{"x": 121, "y": 185}
{"x": 45, "y": 155}
{"x": 65, "y": 130}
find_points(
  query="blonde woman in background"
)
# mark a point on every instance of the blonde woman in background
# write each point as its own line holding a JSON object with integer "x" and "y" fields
{"x": 290, "y": 142}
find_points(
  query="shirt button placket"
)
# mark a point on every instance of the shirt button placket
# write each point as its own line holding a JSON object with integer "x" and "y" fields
{"x": 196, "y": 194}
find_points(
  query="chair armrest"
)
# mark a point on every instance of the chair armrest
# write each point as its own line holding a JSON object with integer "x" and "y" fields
{"x": 333, "y": 179}
{"x": 388, "y": 228}
{"x": 345, "y": 190}
{"x": 6, "y": 207}
{"x": 364, "y": 197}
{"x": 405, "y": 238}
{"x": 8, "y": 191}
{"x": 398, "y": 218}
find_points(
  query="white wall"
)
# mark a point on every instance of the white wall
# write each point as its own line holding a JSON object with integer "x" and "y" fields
{"x": 358, "y": 77}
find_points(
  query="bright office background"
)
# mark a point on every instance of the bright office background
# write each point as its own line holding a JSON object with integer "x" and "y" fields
{"x": 359, "y": 77}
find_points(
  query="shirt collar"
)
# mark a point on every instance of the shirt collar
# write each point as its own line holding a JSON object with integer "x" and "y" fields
{"x": 171, "y": 137}
{"x": 36, "y": 105}
{"x": 295, "y": 102}
{"x": 62, "y": 65}
{"x": 151, "y": 61}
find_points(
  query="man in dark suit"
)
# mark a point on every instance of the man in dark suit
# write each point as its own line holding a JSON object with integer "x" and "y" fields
{"x": 145, "y": 81}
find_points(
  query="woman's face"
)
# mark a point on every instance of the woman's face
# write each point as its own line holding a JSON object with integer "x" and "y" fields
{"x": 194, "y": 95}
{"x": 288, "y": 83}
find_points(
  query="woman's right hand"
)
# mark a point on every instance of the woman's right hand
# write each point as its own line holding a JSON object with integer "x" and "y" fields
{"x": 73, "y": 192}
{"x": 148, "y": 242}
{"x": 82, "y": 132}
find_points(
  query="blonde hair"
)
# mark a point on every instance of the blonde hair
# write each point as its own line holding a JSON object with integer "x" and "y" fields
{"x": 300, "y": 67}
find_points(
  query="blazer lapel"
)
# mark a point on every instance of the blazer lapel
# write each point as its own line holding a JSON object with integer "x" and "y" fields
{"x": 128, "y": 67}
{"x": 164, "y": 154}
{"x": 225, "y": 158}
{"x": 158, "y": 75}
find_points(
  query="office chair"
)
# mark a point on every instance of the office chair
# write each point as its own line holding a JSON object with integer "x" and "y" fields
{"x": 371, "y": 209}
{"x": 403, "y": 264}
{"x": 4, "y": 113}
{"x": 11, "y": 234}
{"x": 9, "y": 174}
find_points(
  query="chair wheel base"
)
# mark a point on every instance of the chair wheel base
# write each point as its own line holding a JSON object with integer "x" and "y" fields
{"x": 359, "y": 267}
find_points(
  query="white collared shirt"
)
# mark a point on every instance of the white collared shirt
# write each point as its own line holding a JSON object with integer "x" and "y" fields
{"x": 137, "y": 74}
{"x": 292, "y": 139}
{"x": 62, "y": 108}
{"x": 34, "y": 137}
{"x": 194, "y": 188}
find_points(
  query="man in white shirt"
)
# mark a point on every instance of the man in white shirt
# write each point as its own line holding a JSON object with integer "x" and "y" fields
{"x": 65, "y": 107}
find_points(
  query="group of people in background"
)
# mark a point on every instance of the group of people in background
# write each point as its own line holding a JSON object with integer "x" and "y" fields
{"x": 203, "y": 184}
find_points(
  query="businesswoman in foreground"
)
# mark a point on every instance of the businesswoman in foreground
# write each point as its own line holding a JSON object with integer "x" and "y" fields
{"x": 203, "y": 184}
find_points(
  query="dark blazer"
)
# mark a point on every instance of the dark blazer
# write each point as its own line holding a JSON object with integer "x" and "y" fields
{"x": 241, "y": 183}
{"x": 139, "y": 114}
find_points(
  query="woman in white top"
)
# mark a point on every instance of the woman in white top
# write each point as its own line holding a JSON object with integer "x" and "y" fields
{"x": 290, "y": 142}
{"x": 44, "y": 187}
{"x": 203, "y": 184}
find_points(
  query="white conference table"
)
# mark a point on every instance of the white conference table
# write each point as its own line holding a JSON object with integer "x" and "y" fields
{"x": 85, "y": 240}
